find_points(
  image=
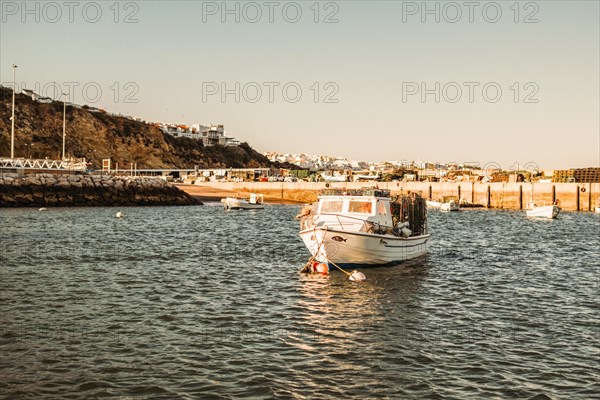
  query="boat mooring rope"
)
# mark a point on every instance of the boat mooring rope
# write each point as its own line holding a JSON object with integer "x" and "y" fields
{"x": 338, "y": 267}
{"x": 354, "y": 275}
{"x": 310, "y": 260}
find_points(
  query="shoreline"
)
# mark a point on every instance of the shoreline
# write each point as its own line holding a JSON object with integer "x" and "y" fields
{"x": 207, "y": 193}
{"x": 49, "y": 190}
{"x": 493, "y": 195}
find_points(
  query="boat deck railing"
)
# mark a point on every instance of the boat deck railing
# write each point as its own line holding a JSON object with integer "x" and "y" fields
{"x": 352, "y": 224}
{"x": 340, "y": 221}
{"x": 368, "y": 191}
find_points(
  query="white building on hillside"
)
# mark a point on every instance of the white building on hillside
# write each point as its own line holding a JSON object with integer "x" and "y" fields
{"x": 209, "y": 134}
{"x": 36, "y": 97}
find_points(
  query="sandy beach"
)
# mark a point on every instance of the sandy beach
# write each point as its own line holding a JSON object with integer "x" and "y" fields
{"x": 206, "y": 193}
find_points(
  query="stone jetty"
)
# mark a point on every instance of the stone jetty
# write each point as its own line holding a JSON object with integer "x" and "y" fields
{"x": 68, "y": 190}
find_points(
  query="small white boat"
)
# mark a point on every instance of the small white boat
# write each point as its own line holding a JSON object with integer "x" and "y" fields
{"x": 446, "y": 204}
{"x": 543, "y": 211}
{"x": 363, "y": 228}
{"x": 253, "y": 202}
{"x": 451, "y": 205}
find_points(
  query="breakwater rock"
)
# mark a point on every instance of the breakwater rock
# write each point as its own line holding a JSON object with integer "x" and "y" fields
{"x": 49, "y": 190}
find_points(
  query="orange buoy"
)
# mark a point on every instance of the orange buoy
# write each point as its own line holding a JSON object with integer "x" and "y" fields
{"x": 320, "y": 268}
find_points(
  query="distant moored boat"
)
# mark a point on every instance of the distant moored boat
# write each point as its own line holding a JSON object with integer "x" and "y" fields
{"x": 543, "y": 211}
{"x": 445, "y": 204}
{"x": 253, "y": 202}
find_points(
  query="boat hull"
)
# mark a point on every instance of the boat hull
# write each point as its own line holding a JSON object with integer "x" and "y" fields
{"x": 349, "y": 249}
{"x": 452, "y": 206}
{"x": 433, "y": 204}
{"x": 549, "y": 212}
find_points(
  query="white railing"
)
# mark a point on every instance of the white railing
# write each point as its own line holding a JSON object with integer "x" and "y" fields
{"x": 73, "y": 164}
{"x": 344, "y": 222}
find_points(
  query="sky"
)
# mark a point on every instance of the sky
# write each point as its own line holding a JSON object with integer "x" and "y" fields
{"x": 503, "y": 82}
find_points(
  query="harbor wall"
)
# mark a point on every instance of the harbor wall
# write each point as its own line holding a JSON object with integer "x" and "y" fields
{"x": 506, "y": 195}
{"x": 49, "y": 190}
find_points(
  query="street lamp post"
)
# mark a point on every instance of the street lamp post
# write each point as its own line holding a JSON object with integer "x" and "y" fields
{"x": 12, "y": 119}
{"x": 64, "y": 123}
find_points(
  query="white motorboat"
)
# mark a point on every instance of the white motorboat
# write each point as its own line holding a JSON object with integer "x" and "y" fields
{"x": 446, "y": 204}
{"x": 543, "y": 211}
{"x": 451, "y": 205}
{"x": 253, "y": 202}
{"x": 364, "y": 228}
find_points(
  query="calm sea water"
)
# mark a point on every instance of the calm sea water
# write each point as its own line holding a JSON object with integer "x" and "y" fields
{"x": 194, "y": 302}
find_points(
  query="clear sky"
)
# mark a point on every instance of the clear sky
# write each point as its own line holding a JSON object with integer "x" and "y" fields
{"x": 507, "y": 82}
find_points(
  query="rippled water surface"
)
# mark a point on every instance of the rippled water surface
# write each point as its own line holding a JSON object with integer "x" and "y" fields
{"x": 193, "y": 302}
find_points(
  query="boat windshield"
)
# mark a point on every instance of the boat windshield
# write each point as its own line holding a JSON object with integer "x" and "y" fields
{"x": 332, "y": 206}
{"x": 362, "y": 207}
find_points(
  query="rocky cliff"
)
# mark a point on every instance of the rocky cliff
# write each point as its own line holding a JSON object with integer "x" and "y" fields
{"x": 96, "y": 135}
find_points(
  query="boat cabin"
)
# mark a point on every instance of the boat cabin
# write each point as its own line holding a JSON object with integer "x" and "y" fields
{"x": 367, "y": 210}
{"x": 354, "y": 208}
{"x": 256, "y": 198}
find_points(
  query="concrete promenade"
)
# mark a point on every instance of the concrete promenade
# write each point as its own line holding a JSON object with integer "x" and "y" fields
{"x": 571, "y": 196}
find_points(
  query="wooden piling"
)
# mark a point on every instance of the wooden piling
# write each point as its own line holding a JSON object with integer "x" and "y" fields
{"x": 520, "y": 197}
{"x": 489, "y": 197}
{"x": 577, "y": 197}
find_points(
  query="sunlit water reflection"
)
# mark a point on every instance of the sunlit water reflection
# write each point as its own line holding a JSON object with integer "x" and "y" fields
{"x": 189, "y": 302}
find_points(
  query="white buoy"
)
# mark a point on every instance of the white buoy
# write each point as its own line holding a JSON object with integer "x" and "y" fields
{"x": 120, "y": 214}
{"x": 43, "y": 209}
{"x": 357, "y": 276}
